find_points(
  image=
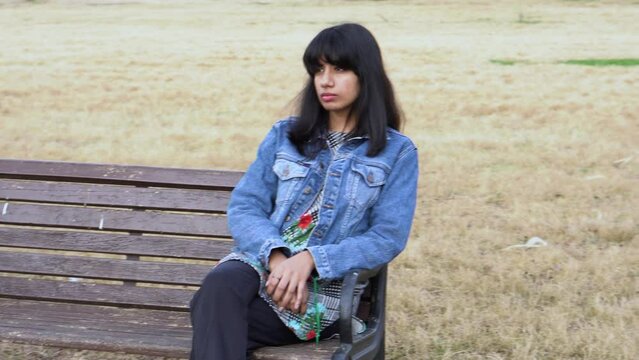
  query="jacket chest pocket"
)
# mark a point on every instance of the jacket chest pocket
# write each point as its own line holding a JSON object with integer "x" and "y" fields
{"x": 364, "y": 184}
{"x": 291, "y": 174}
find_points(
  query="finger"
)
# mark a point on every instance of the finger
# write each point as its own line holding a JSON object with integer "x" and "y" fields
{"x": 306, "y": 294}
{"x": 305, "y": 297}
{"x": 301, "y": 291}
{"x": 271, "y": 283}
{"x": 289, "y": 294}
{"x": 282, "y": 304}
{"x": 291, "y": 305}
{"x": 280, "y": 289}
{"x": 279, "y": 304}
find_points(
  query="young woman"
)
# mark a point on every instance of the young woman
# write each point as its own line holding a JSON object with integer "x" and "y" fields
{"x": 331, "y": 190}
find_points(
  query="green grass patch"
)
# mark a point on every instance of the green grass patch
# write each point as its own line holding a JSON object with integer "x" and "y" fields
{"x": 525, "y": 19}
{"x": 528, "y": 21}
{"x": 507, "y": 62}
{"x": 603, "y": 62}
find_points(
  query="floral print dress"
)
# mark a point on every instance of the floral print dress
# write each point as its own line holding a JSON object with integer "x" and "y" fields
{"x": 323, "y": 303}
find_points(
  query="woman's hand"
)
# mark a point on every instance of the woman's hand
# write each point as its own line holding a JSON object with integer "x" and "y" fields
{"x": 275, "y": 259}
{"x": 287, "y": 282}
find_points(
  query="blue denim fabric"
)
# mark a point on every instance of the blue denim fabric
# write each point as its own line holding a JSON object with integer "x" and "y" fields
{"x": 367, "y": 209}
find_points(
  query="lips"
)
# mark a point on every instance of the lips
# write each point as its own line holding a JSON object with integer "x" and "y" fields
{"x": 327, "y": 97}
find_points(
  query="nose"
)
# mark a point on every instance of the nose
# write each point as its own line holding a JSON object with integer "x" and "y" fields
{"x": 326, "y": 78}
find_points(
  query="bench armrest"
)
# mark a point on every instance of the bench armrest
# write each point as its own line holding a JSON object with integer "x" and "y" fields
{"x": 367, "y": 344}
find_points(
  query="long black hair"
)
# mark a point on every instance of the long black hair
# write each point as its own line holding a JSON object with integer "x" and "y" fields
{"x": 351, "y": 47}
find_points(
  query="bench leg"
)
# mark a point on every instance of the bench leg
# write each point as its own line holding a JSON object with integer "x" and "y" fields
{"x": 382, "y": 351}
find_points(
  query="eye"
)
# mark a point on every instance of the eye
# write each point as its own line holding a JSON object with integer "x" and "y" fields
{"x": 339, "y": 69}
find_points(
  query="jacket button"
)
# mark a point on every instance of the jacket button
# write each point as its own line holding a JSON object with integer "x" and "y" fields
{"x": 286, "y": 171}
{"x": 288, "y": 218}
{"x": 370, "y": 177}
{"x": 307, "y": 190}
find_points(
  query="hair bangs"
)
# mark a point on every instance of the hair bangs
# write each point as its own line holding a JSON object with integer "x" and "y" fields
{"x": 331, "y": 47}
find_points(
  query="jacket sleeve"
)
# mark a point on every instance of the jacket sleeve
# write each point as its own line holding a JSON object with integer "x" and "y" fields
{"x": 252, "y": 202}
{"x": 390, "y": 221}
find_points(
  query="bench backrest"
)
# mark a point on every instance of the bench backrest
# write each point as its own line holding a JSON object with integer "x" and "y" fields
{"x": 130, "y": 236}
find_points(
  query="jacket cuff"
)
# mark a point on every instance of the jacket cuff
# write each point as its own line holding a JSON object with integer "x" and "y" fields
{"x": 270, "y": 245}
{"x": 320, "y": 257}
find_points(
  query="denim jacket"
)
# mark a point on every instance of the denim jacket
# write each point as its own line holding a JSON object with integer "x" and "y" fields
{"x": 366, "y": 212}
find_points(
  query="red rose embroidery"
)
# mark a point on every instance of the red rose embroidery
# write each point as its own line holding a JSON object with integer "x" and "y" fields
{"x": 310, "y": 335}
{"x": 305, "y": 220}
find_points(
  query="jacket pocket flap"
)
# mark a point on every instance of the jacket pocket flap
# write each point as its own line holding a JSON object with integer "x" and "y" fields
{"x": 372, "y": 175}
{"x": 287, "y": 169}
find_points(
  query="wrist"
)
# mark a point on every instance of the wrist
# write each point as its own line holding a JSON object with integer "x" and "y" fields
{"x": 276, "y": 257}
{"x": 308, "y": 257}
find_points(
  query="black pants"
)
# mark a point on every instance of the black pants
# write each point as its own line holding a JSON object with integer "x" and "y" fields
{"x": 230, "y": 319}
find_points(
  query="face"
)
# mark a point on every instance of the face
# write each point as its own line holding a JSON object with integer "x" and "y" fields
{"x": 336, "y": 88}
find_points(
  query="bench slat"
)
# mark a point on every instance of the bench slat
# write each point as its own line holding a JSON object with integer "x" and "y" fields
{"x": 114, "y": 196}
{"x": 111, "y": 326}
{"x": 99, "y": 294}
{"x": 302, "y": 351}
{"x": 111, "y": 219}
{"x": 96, "y": 328}
{"x": 119, "y": 174}
{"x": 107, "y": 269}
{"x": 127, "y": 330}
{"x": 115, "y": 243}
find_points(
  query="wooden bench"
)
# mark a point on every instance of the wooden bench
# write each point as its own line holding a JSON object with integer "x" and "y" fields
{"x": 107, "y": 257}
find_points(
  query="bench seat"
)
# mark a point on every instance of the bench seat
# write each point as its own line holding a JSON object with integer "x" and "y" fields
{"x": 107, "y": 257}
{"x": 103, "y": 328}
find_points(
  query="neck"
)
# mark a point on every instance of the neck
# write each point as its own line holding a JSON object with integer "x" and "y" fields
{"x": 341, "y": 122}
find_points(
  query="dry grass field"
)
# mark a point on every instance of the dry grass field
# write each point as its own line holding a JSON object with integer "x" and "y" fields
{"x": 513, "y": 143}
